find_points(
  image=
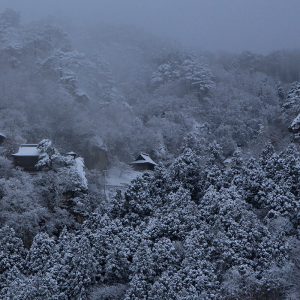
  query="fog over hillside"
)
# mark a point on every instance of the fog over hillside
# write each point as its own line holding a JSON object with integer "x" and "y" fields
{"x": 149, "y": 150}
{"x": 257, "y": 25}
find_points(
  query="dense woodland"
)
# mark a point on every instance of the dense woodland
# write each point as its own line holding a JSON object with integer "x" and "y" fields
{"x": 219, "y": 218}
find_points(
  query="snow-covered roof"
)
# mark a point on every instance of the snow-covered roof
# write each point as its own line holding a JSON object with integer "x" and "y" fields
{"x": 143, "y": 159}
{"x": 28, "y": 150}
{"x": 2, "y": 134}
{"x": 228, "y": 161}
{"x": 295, "y": 126}
{"x": 71, "y": 153}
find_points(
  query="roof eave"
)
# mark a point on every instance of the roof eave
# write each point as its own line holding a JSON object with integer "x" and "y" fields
{"x": 22, "y": 155}
{"x": 143, "y": 163}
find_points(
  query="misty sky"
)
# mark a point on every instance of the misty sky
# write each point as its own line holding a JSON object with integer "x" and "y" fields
{"x": 231, "y": 25}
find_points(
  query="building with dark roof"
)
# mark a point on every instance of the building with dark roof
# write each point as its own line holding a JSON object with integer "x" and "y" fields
{"x": 143, "y": 163}
{"x": 27, "y": 156}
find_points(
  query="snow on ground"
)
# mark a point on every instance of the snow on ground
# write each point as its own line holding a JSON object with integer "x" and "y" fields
{"x": 79, "y": 168}
{"x": 121, "y": 177}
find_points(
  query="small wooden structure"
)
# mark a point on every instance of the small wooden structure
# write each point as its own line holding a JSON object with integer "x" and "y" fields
{"x": 72, "y": 154}
{"x": 2, "y": 138}
{"x": 27, "y": 156}
{"x": 143, "y": 163}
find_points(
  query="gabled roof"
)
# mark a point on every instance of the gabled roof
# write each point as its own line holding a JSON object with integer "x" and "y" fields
{"x": 144, "y": 158}
{"x": 28, "y": 150}
{"x": 2, "y": 134}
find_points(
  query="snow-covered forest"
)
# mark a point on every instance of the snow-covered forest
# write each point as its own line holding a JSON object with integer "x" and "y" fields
{"x": 218, "y": 218}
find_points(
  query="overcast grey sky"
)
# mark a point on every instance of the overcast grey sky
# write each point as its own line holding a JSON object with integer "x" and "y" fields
{"x": 232, "y": 25}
